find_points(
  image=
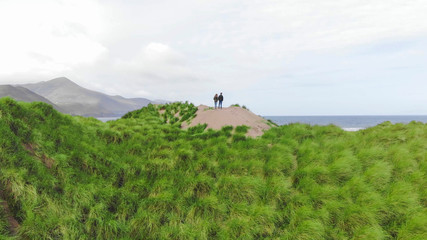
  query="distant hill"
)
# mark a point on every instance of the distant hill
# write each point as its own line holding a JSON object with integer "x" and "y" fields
{"x": 160, "y": 101}
{"x": 76, "y": 100}
{"x": 23, "y": 94}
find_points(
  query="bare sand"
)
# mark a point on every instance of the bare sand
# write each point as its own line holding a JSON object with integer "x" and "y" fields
{"x": 234, "y": 116}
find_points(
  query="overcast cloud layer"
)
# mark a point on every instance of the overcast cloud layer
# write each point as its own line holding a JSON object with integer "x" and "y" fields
{"x": 284, "y": 57}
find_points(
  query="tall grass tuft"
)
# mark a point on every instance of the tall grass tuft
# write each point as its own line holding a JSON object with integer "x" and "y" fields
{"x": 143, "y": 177}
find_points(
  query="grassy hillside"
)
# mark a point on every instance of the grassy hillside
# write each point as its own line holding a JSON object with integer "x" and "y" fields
{"x": 142, "y": 177}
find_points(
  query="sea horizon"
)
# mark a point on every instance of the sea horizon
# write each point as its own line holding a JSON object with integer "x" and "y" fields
{"x": 347, "y": 122}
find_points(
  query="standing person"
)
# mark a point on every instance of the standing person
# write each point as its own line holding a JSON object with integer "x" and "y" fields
{"x": 216, "y": 99}
{"x": 220, "y": 99}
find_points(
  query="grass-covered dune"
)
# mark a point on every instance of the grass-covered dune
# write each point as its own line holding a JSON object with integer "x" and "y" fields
{"x": 142, "y": 177}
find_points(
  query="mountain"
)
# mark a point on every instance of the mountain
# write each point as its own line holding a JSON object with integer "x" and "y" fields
{"x": 76, "y": 100}
{"x": 160, "y": 101}
{"x": 23, "y": 94}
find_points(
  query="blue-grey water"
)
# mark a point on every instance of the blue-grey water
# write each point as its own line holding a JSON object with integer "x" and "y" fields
{"x": 106, "y": 119}
{"x": 349, "y": 123}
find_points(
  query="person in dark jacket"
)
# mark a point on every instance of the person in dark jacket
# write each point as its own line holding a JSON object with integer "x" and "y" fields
{"x": 220, "y": 99}
{"x": 216, "y": 100}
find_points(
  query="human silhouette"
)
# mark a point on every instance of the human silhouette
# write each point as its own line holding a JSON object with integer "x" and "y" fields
{"x": 215, "y": 99}
{"x": 220, "y": 99}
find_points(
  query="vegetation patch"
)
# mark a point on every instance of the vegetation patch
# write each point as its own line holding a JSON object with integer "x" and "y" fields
{"x": 143, "y": 177}
{"x": 237, "y": 105}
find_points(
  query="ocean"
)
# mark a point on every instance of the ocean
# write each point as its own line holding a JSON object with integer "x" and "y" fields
{"x": 348, "y": 123}
{"x": 106, "y": 119}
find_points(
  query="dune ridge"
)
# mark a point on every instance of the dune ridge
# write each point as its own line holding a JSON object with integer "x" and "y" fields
{"x": 234, "y": 116}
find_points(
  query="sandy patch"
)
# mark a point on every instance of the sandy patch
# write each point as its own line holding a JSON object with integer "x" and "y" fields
{"x": 234, "y": 116}
{"x": 13, "y": 223}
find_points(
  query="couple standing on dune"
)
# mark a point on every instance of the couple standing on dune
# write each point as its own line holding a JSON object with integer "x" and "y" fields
{"x": 219, "y": 98}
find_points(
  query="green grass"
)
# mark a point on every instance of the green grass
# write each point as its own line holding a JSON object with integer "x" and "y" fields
{"x": 143, "y": 177}
{"x": 237, "y": 105}
{"x": 4, "y": 225}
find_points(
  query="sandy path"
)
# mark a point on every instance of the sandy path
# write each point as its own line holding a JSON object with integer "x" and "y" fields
{"x": 234, "y": 116}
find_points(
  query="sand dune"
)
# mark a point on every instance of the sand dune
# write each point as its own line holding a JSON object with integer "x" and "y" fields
{"x": 234, "y": 116}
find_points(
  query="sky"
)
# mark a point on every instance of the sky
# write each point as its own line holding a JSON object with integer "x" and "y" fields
{"x": 276, "y": 57}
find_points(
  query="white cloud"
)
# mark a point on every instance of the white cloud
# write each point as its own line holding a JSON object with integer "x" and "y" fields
{"x": 274, "y": 29}
{"x": 158, "y": 70}
{"x": 46, "y": 37}
{"x": 186, "y": 49}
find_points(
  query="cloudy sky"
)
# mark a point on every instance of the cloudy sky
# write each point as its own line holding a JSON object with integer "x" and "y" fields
{"x": 277, "y": 57}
